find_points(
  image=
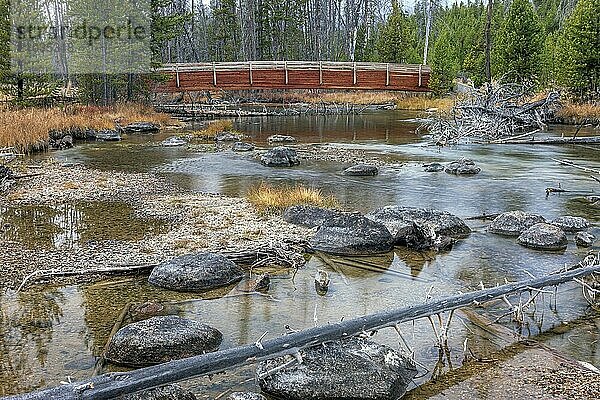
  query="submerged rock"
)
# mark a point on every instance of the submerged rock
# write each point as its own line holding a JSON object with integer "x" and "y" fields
{"x": 107, "y": 135}
{"x": 361, "y": 170}
{"x": 226, "y": 136}
{"x": 160, "y": 339}
{"x": 352, "y": 234}
{"x": 307, "y": 215}
{"x": 173, "y": 141}
{"x": 462, "y": 167}
{"x": 60, "y": 140}
{"x": 141, "y": 127}
{"x": 584, "y": 239}
{"x": 543, "y": 236}
{"x": 402, "y": 222}
{"x": 146, "y": 310}
{"x": 260, "y": 283}
{"x": 281, "y": 139}
{"x": 423, "y": 237}
{"x": 433, "y": 167}
{"x": 356, "y": 369}
{"x": 168, "y": 392}
{"x": 242, "y": 146}
{"x": 196, "y": 272}
{"x": 513, "y": 223}
{"x": 245, "y": 396}
{"x": 280, "y": 157}
{"x": 571, "y": 224}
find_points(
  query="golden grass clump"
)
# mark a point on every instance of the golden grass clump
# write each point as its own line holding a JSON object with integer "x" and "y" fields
{"x": 27, "y": 129}
{"x": 579, "y": 112}
{"x": 270, "y": 199}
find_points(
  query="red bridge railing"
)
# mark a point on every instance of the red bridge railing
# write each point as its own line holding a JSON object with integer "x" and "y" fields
{"x": 295, "y": 75}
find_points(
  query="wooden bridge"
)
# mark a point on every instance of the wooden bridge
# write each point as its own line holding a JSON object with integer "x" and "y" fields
{"x": 295, "y": 75}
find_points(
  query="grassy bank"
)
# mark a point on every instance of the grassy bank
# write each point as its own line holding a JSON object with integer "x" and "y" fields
{"x": 578, "y": 113}
{"x": 27, "y": 129}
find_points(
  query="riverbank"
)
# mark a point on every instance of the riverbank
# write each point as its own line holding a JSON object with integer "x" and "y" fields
{"x": 184, "y": 222}
{"x": 27, "y": 130}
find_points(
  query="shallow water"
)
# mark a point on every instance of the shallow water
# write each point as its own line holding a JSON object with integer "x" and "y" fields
{"x": 49, "y": 334}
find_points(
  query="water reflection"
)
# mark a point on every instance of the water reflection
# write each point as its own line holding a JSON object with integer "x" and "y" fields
{"x": 71, "y": 224}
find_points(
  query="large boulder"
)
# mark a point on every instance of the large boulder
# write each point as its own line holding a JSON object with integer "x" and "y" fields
{"x": 196, "y": 272}
{"x": 584, "y": 239}
{"x": 280, "y": 157}
{"x": 161, "y": 339}
{"x": 281, "y": 139}
{"x": 355, "y": 369}
{"x": 462, "y": 167}
{"x": 361, "y": 170}
{"x": 173, "y": 141}
{"x": 401, "y": 221}
{"x": 168, "y": 392}
{"x": 433, "y": 167}
{"x": 242, "y": 146}
{"x": 308, "y": 216}
{"x": 352, "y": 234}
{"x": 107, "y": 135}
{"x": 543, "y": 236}
{"x": 141, "y": 127}
{"x": 571, "y": 224}
{"x": 513, "y": 223}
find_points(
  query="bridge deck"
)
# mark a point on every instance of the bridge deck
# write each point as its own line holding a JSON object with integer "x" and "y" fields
{"x": 295, "y": 75}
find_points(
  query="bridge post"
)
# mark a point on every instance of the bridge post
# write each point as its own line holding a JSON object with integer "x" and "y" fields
{"x": 387, "y": 74}
{"x": 250, "y": 70}
{"x": 214, "y": 73}
{"x": 177, "y": 75}
{"x": 320, "y": 72}
{"x": 420, "y": 76}
{"x": 286, "y": 71}
{"x": 354, "y": 70}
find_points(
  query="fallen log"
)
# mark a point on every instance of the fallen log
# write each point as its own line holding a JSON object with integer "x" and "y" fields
{"x": 112, "y": 385}
{"x": 595, "y": 140}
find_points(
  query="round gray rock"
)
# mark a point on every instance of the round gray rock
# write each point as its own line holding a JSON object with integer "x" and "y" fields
{"x": 196, "y": 272}
{"x": 280, "y": 157}
{"x": 352, "y": 234}
{"x": 400, "y": 221}
{"x": 543, "y": 237}
{"x": 168, "y": 392}
{"x": 584, "y": 239}
{"x": 173, "y": 141}
{"x": 356, "y": 369}
{"x": 361, "y": 170}
{"x": 433, "y": 167}
{"x": 571, "y": 224}
{"x": 141, "y": 127}
{"x": 308, "y": 216}
{"x": 160, "y": 339}
{"x": 242, "y": 146}
{"x": 226, "y": 136}
{"x": 462, "y": 167}
{"x": 281, "y": 139}
{"x": 513, "y": 223}
{"x": 245, "y": 396}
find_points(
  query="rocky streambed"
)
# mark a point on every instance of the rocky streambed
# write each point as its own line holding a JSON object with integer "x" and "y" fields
{"x": 405, "y": 231}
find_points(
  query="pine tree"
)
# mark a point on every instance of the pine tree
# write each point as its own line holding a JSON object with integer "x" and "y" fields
{"x": 519, "y": 43}
{"x": 394, "y": 43}
{"x": 579, "y": 54}
{"x": 444, "y": 65}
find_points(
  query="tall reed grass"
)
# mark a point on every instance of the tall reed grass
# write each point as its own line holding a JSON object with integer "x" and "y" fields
{"x": 26, "y": 130}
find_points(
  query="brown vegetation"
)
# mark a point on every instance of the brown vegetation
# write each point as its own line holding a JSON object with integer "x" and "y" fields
{"x": 270, "y": 199}
{"x": 421, "y": 103}
{"x": 579, "y": 112}
{"x": 27, "y": 129}
{"x": 214, "y": 127}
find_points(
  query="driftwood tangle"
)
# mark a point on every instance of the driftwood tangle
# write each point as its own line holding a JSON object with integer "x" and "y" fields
{"x": 112, "y": 385}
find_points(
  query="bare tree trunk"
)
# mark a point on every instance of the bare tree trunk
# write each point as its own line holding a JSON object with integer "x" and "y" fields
{"x": 488, "y": 42}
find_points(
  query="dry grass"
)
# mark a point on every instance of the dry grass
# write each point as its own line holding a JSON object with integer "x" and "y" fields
{"x": 269, "y": 199}
{"x": 579, "y": 112}
{"x": 421, "y": 103}
{"x": 214, "y": 127}
{"x": 356, "y": 97}
{"x": 27, "y": 129}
